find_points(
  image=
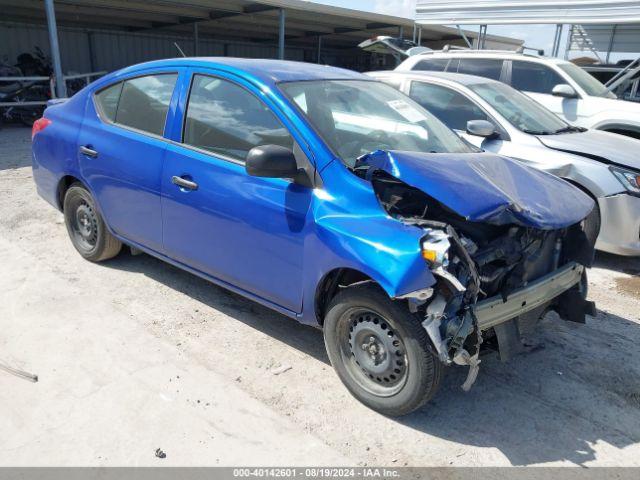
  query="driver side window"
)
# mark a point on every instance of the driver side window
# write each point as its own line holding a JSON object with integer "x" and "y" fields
{"x": 451, "y": 108}
{"x": 226, "y": 119}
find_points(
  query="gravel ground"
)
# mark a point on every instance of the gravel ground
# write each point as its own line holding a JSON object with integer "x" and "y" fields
{"x": 574, "y": 402}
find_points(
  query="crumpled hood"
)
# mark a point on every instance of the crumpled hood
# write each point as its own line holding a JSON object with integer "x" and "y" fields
{"x": 483, "y": 187}
{"x": 594, "y": 144}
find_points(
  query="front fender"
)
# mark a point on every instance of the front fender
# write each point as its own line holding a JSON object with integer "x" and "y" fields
{"x": 352, "y": 230}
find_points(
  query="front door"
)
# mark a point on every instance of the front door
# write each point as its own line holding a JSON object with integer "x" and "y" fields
{"x": 121, "y": 150}
{"x": 245, "y": 231}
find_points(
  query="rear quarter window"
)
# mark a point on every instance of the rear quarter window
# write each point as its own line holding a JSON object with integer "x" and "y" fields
{"x": 107, "y": 101}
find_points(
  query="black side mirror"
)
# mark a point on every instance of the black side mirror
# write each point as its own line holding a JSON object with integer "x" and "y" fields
{"x": 481, "y": 128}
{"x": 272, "y": 161}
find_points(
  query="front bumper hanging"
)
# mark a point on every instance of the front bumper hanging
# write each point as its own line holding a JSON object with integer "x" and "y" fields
{"x": 494, "y": 311}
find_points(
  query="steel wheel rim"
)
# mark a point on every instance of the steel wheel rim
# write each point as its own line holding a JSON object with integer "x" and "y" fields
{"x": 373, "y": 353}
{"x": 84, "y": 225}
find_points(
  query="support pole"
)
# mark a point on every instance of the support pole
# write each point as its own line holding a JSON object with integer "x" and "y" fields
{"x": 195, "y": 40}
{"x": 611, "y": 41}
{"x": 61, "y": 88}
{"x": 556, "y": 40}
{"x": 281, "y": 35}
{"x": 400, "y": 32}
{"x": 482, "y": 35}
{"x": 415, "y": 33}
{"x": 319, "y": 47}
{"x": 419, "y": 35}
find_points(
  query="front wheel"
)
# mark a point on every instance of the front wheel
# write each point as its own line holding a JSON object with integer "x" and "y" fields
{"x": 380, "y": 351}
{"x": 86, "y": 227}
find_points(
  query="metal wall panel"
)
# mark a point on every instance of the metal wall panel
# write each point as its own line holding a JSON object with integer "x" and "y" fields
{"x": 114, "y": 49}
{"x": 495, "y": 12}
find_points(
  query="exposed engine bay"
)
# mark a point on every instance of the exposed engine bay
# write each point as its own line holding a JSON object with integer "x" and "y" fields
{"x": 474, "y": 261}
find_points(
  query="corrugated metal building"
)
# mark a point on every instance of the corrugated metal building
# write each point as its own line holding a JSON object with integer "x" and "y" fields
{"x": 99, "y": 35}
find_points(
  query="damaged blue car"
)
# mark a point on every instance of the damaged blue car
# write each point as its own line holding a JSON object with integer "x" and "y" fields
{"x": 327, "y": 196}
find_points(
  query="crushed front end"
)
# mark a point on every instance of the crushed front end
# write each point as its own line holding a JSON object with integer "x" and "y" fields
{"x": 501, "y": 261}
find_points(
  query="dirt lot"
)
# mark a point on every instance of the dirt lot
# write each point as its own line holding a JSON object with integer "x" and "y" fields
{"x": 135, "y": 354}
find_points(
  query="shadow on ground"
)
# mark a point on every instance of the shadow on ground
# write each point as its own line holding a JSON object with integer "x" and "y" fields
{"x": 551, "y": 405}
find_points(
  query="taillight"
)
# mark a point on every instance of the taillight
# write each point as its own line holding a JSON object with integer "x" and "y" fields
{"x": 39, "y": 125}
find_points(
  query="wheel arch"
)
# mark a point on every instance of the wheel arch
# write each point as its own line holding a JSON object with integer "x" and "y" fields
{"x": 621, "y": 128}
{"x": 63, "y": 185}
{"x": 331, "y": 282}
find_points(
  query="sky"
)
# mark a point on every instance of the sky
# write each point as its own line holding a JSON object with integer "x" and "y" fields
{"x": 534, "y": 36}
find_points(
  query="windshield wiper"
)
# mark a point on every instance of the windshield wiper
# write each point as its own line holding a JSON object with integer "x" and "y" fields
{"x": 537, "y": 132}
{"x": 569, "y": 128}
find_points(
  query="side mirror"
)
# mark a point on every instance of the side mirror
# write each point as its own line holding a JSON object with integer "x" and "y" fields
{"x": 564, "y": 90}
{"x": 481, "y": 128}
{"x": 272, "y": 161}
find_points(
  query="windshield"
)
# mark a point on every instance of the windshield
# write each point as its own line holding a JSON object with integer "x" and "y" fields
{"x": 589, "y": 84}
{"x": 522, "y": 112}
{"x": 357, "y": 117}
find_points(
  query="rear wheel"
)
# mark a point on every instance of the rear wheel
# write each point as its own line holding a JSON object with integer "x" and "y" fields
{"x": 86, "y": 227}
{"x": 380, "y": 351}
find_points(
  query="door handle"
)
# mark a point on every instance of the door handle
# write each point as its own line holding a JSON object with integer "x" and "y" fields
{"x": 89, "y": 152}
{"x": 184, "y": 183}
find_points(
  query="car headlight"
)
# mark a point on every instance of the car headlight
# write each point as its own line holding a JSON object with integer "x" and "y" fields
{"x": 435, "y": 248}
{"x": 629, "y": 179}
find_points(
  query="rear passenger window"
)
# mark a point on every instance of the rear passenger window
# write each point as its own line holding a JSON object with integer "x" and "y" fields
{"x": 107, "y": 101}
{"x": 144, "y": 102}
{"x": 533, "y": 77}
{"x": 432, "y": 65}
{"x": 225, "y": 118}
{"x": 483, "y": 67}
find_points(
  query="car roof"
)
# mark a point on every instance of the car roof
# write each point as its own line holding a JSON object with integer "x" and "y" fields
{"x": 460, "y": 78}
{"x": 265, "y": 70}
{"x": 480, "y": 54}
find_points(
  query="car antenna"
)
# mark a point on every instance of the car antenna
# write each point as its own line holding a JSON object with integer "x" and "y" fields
{"x": 179, "y": 49}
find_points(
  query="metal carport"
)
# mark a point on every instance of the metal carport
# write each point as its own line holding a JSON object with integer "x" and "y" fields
{"x": 107, "y": 34}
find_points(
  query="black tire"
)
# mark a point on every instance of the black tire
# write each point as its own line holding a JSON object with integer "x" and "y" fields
{"x": 393, "y": 371}
{"x": 86, "y": 227}
{"x": 591, "y": 224}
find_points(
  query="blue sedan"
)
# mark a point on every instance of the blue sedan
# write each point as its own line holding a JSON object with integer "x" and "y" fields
{"x": 327, "y": 196}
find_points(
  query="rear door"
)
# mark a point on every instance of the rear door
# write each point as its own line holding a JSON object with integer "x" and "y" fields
{"x": 121, "y": 150}
{"x": 245, "y": 231}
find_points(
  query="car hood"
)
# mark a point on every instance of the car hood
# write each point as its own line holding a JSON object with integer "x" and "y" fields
{"x": 602, "y": 146}
{"x": 483, "y": 187}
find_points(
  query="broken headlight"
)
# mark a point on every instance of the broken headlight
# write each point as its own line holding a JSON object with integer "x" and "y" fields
{"x": 629, "y": 179}
{"x": 435, "y": 248}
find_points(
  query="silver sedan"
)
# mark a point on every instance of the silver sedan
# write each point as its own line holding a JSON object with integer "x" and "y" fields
{"x": 499, "y": 119}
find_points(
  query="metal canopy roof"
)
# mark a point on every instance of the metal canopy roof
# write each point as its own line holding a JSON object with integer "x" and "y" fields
{"x": 496, "y": 12}
{"x": 246, "y": 20}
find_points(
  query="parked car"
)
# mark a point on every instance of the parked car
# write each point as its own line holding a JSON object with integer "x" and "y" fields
{"x": 562, "y": 87}
{"x": 499, "y": 119}
{"x": 327, "y": 196}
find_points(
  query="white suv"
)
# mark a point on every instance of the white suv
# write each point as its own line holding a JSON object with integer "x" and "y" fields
{"x": 561, "y": 86}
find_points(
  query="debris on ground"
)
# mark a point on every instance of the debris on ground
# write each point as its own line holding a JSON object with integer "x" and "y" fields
{"x": 19, "y": 373}
{"x": 281, "y": 369}
{"x": 160, "y": 453}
